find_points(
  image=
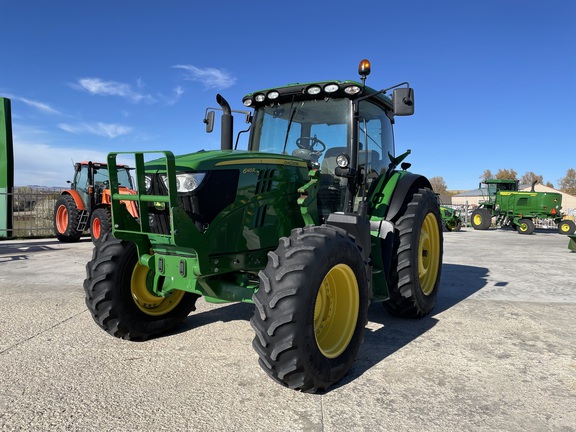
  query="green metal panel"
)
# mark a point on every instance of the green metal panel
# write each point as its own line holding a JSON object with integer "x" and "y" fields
{"x": 6, "y": 168}
{"x": 237, "y": 239}
{"x": 572, "y": 242}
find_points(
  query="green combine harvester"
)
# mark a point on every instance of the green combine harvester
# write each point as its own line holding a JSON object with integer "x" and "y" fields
{"x": 518, "y": 209}
{"x": 310, "y": 223}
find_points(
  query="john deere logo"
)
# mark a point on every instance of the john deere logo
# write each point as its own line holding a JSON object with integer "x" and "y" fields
{"x": 159, "y": 205}
{"x": 250, "y": 170}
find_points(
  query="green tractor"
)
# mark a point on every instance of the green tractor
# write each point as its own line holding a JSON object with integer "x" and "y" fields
{"x": 310, "y": 223}
{"x": 518, "y": 209}
{"x": 451, "y": 218}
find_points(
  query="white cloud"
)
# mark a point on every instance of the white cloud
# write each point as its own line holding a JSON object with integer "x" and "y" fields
{"x": 41, "y": 164}
{"x": 41, "y": 106}
{"x": 108, "y": 130}
{"x": 96, "y": 86}
{"x": 36, "y": 163}
{"x": 212, "y": 78}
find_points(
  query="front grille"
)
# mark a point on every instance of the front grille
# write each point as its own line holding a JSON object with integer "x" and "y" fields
{"x": 216, "y": 192}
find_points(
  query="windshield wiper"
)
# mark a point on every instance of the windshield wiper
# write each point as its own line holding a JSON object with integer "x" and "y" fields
{"x": 292, "y": 114}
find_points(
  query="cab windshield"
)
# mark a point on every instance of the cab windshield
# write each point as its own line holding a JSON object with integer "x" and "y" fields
{"x": 307, "y": 129}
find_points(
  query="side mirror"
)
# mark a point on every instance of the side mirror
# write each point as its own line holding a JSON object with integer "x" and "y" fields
{"x": 209, "y": 120}
{"x": 403, "y": 100}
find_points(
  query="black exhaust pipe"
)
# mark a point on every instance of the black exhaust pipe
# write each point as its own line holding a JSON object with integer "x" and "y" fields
{"x": 227, "y": 127}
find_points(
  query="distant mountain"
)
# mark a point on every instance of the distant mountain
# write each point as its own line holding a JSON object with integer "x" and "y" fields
{"x": 43, "y": 188}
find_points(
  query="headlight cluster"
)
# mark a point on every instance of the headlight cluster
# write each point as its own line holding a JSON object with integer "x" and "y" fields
{"x": 185, "y": 182}
{"x": 312, "y": 90}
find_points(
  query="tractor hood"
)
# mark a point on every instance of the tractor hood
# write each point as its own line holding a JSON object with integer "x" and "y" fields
{"x": 223, "y": 159}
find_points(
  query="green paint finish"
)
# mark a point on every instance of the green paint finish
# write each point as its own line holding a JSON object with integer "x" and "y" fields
{"x": 572, "y": 242}
{"x": 509, "y": 205}
{"x": 6, "y": 168}
{"x": 208, "y": 261}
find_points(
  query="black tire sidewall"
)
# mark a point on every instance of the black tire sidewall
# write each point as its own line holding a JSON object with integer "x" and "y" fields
{"x": 485, "y": 219}
{"x": 407, "y": 298}
{"x": 109, "y": 275}
{"x": 314, "y": 371}
{"x": 571, "y": 227}
{"x": 326, "y": 368}
{"x": 105, "y": 217}
{"x": 71, "y": 234}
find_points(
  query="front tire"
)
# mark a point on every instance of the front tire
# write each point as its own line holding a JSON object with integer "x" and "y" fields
{"x": 100, "y": 224}
{"x": 417, "y": 261}
{"x": 118, "y": 298}
{"x": 66, "y": 219}
{"x": 481, "y": 219}
{"x": 566, "y": 226}
{"x": 311, "y": 308}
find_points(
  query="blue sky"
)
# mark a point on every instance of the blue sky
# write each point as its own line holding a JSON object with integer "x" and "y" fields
{"x": 494, "y": 80}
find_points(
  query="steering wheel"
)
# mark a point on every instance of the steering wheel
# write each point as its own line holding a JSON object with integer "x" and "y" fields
{"x": 312, "y": 141}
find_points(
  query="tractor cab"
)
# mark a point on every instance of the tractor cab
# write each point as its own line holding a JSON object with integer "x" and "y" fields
{"x": 342, "y": 129}
{"x": 493, "y": 186}
{"x": 92, "y": 178}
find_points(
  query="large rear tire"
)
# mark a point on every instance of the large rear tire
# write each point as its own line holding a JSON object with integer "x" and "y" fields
{"x": 118, "y": 298}
{"x": 417, "y": 261}
{"x": 100, "y": 224}
{"x": 566, "y": 226}
{"x": 481, "y": 219}
{"x": 311, "y": 308}
{"x": 66, "y": 219}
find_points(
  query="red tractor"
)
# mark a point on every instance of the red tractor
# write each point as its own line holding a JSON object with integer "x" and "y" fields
{"x": 88, "y": 202}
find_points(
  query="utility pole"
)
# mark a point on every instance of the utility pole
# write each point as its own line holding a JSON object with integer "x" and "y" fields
{"x": 6, "y": 169}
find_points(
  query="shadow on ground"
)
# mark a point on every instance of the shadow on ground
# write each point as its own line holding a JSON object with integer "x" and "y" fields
{"x": 458, "y": 283}
{"x": 20, "y": 251}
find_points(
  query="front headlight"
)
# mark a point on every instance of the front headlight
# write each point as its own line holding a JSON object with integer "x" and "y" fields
{"x": 147, "y": 183}
{"x": 186, "y": 182}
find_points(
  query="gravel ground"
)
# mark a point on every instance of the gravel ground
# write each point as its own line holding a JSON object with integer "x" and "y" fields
{"x": 497, "y": 353}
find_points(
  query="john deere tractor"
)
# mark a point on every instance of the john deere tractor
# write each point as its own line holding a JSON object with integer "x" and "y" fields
{"x": 518, "y": 209}
{"x": 310, "y": 223}
{"x": 86, "y": 205}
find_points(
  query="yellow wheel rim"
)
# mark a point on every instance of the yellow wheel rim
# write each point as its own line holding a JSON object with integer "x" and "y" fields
{"x": 523, "y": 227}
{"x": 428, "y": 254}
{"x": 336, "y": 310}
{"x": 564, "y": 227}
{"x": 477, "y": 219}
{"x": 146, "y": 301}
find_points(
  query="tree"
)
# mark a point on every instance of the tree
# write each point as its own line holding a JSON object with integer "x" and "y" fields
{"x": 486, "y": 175}
{"x": 568, "y": 182}
{"x": 438, "y": 185}
{"x": 549, "y": 184}
{"x": 505, "y": 174}
{"x": 530, "y": 178}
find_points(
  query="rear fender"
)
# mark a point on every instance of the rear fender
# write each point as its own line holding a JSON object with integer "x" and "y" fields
{"x": 387, "y": 202}
{"x": 77, "y": 199}
{"x": 388, "y": 196}
{"x": 405, "y": 184}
